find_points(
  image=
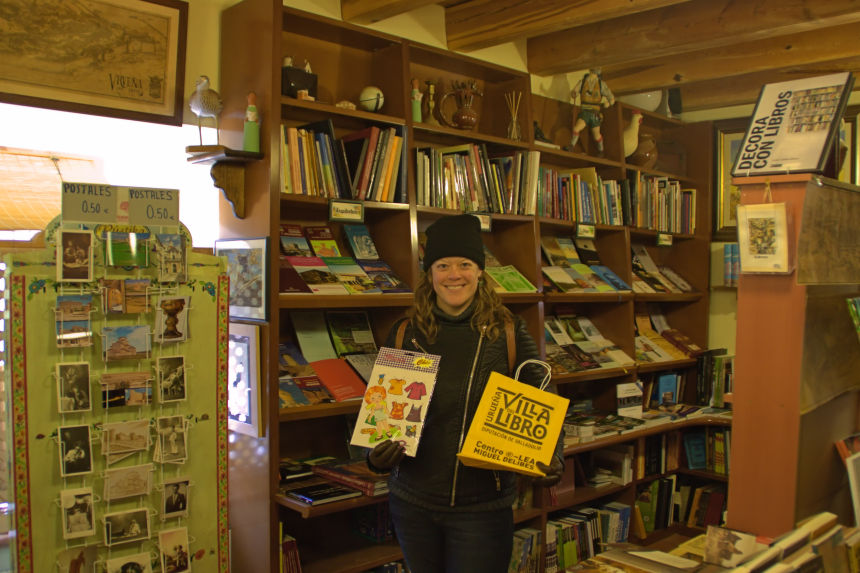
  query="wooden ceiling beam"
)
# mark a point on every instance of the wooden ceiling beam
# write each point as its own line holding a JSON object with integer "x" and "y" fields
{"x": 691, "y": 26}
{"x": 745, "y": 89}
{"x": 370, "y": 11}
{"x": 482, "y": 23}
{"x": 796, "y": 50}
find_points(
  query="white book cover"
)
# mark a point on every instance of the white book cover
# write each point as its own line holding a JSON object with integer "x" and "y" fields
{"x": 396, "y": 400}
{"x": 629, "y": 399}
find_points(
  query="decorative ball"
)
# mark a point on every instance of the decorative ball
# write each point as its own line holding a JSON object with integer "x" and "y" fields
{"x": 371, "y": 98}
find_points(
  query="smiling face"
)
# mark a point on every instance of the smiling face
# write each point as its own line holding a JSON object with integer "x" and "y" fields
{"x": 455, "y": 281}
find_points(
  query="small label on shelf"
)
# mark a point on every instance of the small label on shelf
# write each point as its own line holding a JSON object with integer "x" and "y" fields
{"x": 664, "y": 240}
{"x": 585, "y": 231}
{"x": 346, "y": 211}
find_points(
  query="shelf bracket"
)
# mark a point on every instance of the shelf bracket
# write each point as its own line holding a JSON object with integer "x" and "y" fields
{"x": 227, "y": 171}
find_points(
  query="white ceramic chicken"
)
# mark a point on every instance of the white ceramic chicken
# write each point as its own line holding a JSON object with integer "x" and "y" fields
{"x": 205, "y": 102}
{"x": 630, "y": 136}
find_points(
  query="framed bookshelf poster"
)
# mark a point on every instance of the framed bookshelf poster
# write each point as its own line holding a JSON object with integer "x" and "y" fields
{"x": 794, "y": 125}
{"x": 246, "y": 267}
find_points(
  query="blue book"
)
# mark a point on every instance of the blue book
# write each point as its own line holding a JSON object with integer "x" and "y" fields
{"x": 667, "y": 388}
{"x": 289, "y": 394}
{"x": 610, "y": 277}
{"x": 360, "y": 241}
{"x": 696, "y": 449}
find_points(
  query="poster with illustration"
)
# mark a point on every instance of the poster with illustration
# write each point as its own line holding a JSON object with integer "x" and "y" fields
{"x": 396, "y": 400}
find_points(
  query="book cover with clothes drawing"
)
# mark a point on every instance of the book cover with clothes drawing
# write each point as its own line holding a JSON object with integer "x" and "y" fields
{"x": 396, "y": 400}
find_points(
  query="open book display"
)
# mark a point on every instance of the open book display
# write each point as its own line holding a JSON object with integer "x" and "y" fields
{"x": 397, "y": 397}
{"x": 794, "y": 126}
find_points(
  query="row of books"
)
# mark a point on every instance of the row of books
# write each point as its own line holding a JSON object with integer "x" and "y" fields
{"x": 466, "y": 178}
{"x": 577, "y": 535}
{"x": 573, "y": 343}
{"x": 731, "y": 264}
{"x": 363, "y": 165}
{"x": 580, "y": 195}
{"x": 649, "y": 277}
{"x": 661, "y": 204}
{"x": 574, "y": 265}
{"x": 708, "y": 449}
{"x": 312, "y": 262}
{"x": 714, "y": 377}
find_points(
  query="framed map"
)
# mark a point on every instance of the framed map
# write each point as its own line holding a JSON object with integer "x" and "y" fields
{"x": 117, "y": 58}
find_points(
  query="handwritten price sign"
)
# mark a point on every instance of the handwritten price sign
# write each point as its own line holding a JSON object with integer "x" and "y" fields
{"x": 101, "y": 203}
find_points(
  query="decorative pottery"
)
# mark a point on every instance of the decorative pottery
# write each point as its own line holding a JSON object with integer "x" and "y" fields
{"x": 645, "y": 155}
{"x": 465, "y": 116}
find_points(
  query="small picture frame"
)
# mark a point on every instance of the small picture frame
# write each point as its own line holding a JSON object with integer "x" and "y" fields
{"x": 243, "y": 400}
{"x": 729, "y": 135}
{"x": 76, "y": 455}
{"x": 126, "y": 526}
{"x": 171, "y": 379}
{"x": 78, "y": 514}
{"x": 175, "y": 556}
{"x": 75, "y": 256}
{"x": 127, "y": 482}
{"x": 73, "y": 387}
{"x": 175, "y": 498}
{"x": 247, "y": 269}
{"x": 763, "y": 238}
{"x": 171, "y": 319}
{"x": 137, "y": 563}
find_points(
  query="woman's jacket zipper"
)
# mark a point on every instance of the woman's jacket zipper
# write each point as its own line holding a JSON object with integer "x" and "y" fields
{"x": 465, "y": 413}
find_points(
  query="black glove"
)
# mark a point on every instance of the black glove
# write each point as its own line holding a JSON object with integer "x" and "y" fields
{"x": 553, "y": 473}
{"x": 386, "y": 455}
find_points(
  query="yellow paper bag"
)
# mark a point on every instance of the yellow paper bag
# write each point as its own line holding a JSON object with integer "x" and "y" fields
{"x": 515, "y": 426}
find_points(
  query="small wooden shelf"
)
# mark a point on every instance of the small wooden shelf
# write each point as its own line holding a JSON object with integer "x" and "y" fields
{"x": 304, "y": 301}
{"x": 227, "y": 171}
{"x": 351, "y": 559}
{"x": 295, "y": 413}
{"x": 308, "y": 511}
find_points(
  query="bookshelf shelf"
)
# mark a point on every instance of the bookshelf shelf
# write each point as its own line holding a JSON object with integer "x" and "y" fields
{"x": 345, "y": 58}
{"x": 710, "y": 476}
{"x": 584, "y": 494}
{"x": 309, "y": 511}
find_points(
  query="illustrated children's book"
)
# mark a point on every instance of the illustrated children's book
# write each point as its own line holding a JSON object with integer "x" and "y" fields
{"x": 396, "y": 400}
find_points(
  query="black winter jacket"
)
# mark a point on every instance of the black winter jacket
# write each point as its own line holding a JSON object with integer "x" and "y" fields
{"x": 434, "y": 478}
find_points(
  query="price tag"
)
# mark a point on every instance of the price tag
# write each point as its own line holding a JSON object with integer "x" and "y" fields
{"x": 664, "y": 240}
{"x": 585, "y": 231}
{"x": 346, "y": 211}
{"x": 156, "y": 207}
{"x": 88, "y": 203}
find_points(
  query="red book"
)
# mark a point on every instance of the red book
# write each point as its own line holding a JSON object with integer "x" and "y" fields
{"x": 340, "y": 379}
{"x": 354, "y": 473}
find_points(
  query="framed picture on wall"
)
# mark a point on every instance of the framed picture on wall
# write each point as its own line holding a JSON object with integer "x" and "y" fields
{"x": 728, "y": 137}
{"x": 246, "y": 267}
{"x": 116, "y": 58}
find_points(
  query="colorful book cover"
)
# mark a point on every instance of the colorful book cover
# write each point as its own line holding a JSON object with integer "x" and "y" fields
{"x": 383, "y": 276}
{"x": 293, "y": 241}
{"x": 289, "y": 393}
{"x": 555, "y": 256}
{"x": 339, "y": 378}
{"x": 609, "y": 276}
{"x": 587, "y": 250}
{"x": 289, "y": 280}
{"x": 396, "y": 399}
{"x": 350, "y": 331}
{"x": 351, "y": 275}
{"x": 358, "y": 236}
{"x": 322, "y": 241}
{"x": 509, "y": 279}
{"x": 316, "y": 274}
{"x": 568, "y": 247}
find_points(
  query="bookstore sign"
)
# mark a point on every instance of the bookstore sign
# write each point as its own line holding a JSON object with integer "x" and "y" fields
{"x": 98, "y": 203}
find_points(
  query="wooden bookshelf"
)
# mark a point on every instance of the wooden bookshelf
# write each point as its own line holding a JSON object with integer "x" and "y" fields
{"x": 255, "y": 36}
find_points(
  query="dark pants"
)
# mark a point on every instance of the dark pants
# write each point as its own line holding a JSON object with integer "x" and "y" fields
{"x": 453, "y": 542}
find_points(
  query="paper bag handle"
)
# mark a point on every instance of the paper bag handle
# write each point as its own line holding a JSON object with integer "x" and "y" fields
{"x": 545, "y": 382}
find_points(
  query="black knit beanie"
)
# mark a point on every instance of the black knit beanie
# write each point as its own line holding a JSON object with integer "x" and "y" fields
{"x": 454, "y": 236}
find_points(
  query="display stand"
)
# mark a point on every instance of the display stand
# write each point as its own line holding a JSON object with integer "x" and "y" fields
{"x": 127, "y": 519}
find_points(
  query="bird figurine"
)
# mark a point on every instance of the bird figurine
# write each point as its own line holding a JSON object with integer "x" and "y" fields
{"x": 630, "y": 137}
{"x": 205, "y": 102}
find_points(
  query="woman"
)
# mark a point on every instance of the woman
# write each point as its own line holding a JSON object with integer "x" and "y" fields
{"x": 451, "y": 518}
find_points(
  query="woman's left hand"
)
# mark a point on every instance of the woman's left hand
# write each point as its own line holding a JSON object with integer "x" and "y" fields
{"x": 553, "y": 473}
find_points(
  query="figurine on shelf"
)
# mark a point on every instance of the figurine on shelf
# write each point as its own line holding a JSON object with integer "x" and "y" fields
{"x": 592, "y": 93}
{"x": 539, "y": 134}
{"x": 416, "y": 100}
{"x": 430, "y": 114}
{"x": 205, "y": 102}
{"x": 251, "y": 139}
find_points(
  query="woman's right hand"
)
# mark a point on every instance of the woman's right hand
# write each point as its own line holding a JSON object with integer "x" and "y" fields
{"x": 386, "y": 455}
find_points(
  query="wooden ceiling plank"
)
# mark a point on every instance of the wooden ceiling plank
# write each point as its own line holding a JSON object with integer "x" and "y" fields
{"x": 482, "y": 23}
{"x": 369, "y": 11}
{"x": 802, "y": 49}
{"x": 745, "y": 89}
{"x": 691, "y": 26}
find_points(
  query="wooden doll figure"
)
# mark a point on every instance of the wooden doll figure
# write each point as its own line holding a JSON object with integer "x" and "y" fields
{"x": 592, "y": 93}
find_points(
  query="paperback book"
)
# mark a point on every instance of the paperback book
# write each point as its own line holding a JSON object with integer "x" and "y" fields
{"x": 396, "y": 400}
{"x": 354, "y": 474}
{"x": 322, "y": 241}
{"x": 318, "y": 491}
{"x": 351, "y": 275}
{"x": 509, "y": 279}
{"x": 316, "y": 274}
{"x": 360, "y": 241}
{"x": 350, "y": 332}
{"x": 383, "y": 276}
{"x": 293, "y": 241}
